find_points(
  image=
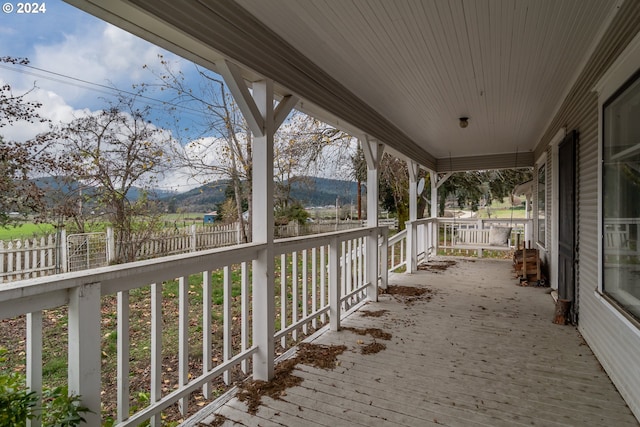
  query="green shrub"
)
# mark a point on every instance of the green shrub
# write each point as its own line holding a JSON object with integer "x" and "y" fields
{"x": 18, "y": 404}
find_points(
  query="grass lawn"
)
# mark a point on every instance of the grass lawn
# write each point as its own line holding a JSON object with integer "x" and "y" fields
{"x": 55, "y": 329}
{"x": 502, "y": 213}
{"x": 26, "y": 230}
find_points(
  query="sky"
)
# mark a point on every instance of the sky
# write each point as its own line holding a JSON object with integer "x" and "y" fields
{"x": 75, "y": 62}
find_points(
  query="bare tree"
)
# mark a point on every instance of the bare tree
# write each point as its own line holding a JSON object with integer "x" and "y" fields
{"x": 112, "y": 153}
{"x": 19, "y": 162}
{"x": 219, "y": 140}
{"x": 222, "y": 144}
{"x": 301, "y": 144}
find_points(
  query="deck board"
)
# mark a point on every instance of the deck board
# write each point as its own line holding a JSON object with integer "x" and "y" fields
{"x": 481, "y": 352}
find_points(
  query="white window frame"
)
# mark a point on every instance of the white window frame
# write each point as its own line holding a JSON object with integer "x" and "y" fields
{"x": 541, "y": 162}
{"x": 625, "y": 66}
{"x": 555, "y": 205}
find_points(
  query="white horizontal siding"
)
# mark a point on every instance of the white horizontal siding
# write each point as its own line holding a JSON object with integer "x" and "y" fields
{"x": 614, "y": 340}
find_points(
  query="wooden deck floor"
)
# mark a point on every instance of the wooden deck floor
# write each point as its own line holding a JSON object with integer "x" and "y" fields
{"x": 481, "y": 351}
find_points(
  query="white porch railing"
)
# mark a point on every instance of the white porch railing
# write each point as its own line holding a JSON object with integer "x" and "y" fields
{"x": 319, "y": 278}
{"x": 397, "y": 245}
{"x": 621, "y": 239}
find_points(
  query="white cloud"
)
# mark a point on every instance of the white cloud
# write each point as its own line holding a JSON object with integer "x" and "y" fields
{"x": 54, "y": 108}
{"x": 101, "y": 54}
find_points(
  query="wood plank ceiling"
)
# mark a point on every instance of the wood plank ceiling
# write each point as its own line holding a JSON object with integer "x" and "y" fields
{"x": 402, "y": 71}
{"x": 424, "y": 63}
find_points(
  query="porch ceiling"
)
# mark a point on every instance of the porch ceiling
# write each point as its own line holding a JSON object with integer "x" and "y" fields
{"x": 402, "y": 71}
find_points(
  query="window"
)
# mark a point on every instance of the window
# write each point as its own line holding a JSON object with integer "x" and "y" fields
{"x": 542, "y": 203}
{"x": 620, "y": 190}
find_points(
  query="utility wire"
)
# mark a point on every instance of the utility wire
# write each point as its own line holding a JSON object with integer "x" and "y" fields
{"x": 97, "y": 87}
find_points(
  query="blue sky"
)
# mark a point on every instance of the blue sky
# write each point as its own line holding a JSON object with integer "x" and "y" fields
{"x": 66, "y": 48}
{"x": 73, "y": 56}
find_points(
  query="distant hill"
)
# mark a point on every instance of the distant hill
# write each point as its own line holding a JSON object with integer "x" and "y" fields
{"x": 310, "y": 191}
{"x": 55, "y": 184}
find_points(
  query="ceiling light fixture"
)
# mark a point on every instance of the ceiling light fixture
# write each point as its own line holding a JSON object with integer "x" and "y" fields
{"x": 464, "y": 122}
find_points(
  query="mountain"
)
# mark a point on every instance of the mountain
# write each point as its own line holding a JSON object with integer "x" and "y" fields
{"x": 313, "y": 191}
{"x": 54, "y": 185}
{"x": 310, "y": 191}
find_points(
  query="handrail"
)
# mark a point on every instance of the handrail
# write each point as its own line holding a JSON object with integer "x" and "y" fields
{"x": 321, "y": 278}
{"x": 121, "y": 277}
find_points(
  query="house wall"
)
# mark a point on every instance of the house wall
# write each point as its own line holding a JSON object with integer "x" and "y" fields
{"x": 614, "y": 340}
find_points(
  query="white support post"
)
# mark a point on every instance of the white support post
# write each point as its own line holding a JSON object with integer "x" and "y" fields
{"x": 436, "y": 182}
{"x": 412, "y": 229}
{"x": 435, "y": 227}
{"x": 334, "y": 284}
{"x": 373, "y": 154}
{"x": 263, "y": 120}
{"x": 262, "y": 232}
{"x": 84, "y": 348}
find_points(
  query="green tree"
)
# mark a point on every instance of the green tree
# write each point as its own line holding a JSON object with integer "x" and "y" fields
{"x": 470, "y": 188}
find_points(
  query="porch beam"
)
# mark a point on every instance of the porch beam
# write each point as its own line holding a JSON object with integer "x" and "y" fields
{"x": 235, "y": 82}
{"x": 283, "y": 109}
{"x": 523, "y": 159}
{"x": 436, "y": 181}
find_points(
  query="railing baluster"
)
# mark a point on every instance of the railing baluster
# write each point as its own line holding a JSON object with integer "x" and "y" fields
{"x": 323, "y": 282}
{"x": 34, "y": 359}
{"x": 244, "y": 278}
{"x": 294, "y": 293}
{"x": 206, "y": 330}
{"x": 183, "y": 339}
{"x": 334, "y": 284}
{"x": 227, "y": 322}
{"x": 123, "y": 355}
{"x": 314, "y": 286}
{"x": 305, "y": 290}
{"x": 283, "y": 297}
{"x": 156, "y": 349}
{"x": 348, "y": 273}
{"x": 361, "y": 259}
{"x": 342, "y": 261}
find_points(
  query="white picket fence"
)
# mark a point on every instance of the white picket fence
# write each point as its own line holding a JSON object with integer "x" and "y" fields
{"x": 178, "y": 241}
{"x": 51, "y": 254}
{"x": 24, "y": 259}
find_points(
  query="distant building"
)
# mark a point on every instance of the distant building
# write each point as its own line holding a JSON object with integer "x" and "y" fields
{"x": 210, "y": 218}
